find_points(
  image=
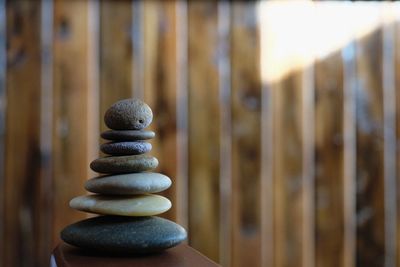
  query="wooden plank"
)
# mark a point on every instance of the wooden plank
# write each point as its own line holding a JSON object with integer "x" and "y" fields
{"x": 204, "y": 129}
{"x": 182, "y": 107}
{"x": 370, "y": 152}
{"x": 288, "y": 170}
{"x": 389, "y": 134}
{"x": 349, "y": 154}
{"x": 46, "y": 193}
{"x": 93, "y": 82}
{"x": 246, "y": 130}
{"x": 160, "y": 88}
{"x": 267, "y": 183}
{"x": 329, "y": 134}
{"x": 138, "y": 48}
{"x": 3, "y": 103}
{"x": 397, "y": 84}
{"x": 225, "y": 151}
{"x": 71, "y": 102}
{"x": 22, "y": 157}
{"x": 116, "y": 55}
{"x": 308, "y": 164}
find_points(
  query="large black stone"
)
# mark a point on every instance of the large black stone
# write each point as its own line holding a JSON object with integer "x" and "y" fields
{"x": 121, "y": 235}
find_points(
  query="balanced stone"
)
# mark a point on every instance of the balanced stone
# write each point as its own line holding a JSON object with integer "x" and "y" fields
{"x": 127, "y": 135}
{"x": 124, "y": 235}
{"x": 124, "y": 164}
{"x": 139, "y": 205}
{"x": 128, "y": 114}
{"x": 125, "y": 148}
{"x": 129, "y": 184}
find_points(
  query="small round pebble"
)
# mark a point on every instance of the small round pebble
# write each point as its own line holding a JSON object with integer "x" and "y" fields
{"x": 128, "y": 184}
{"x": 128, "y": 114}
{"x": 124, "y": 164}
{"x": 118, "y": 235}
{"x": 127, "y": 135}
{"x": 125, "y": 148}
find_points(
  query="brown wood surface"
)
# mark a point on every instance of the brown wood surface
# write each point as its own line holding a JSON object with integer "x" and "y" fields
{"x": 23, "y": 159}
{"x": 370, "y": 174}
{"x": 288, "y": 195}
{"x": 329, "y": 161}
{"x": 71, "y": 87}
{"x": 295, "y": 171}
{"x": 246, "y": 138}
{"x": 182, "y": 256}
{"x": 203, "y": 129}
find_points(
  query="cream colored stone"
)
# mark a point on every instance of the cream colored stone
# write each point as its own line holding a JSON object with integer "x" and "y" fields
{"x": 140, "y": 205}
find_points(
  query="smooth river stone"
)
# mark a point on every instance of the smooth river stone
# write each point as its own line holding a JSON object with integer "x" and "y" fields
{"x": 124, "y": 235}
{"x": 127, "y": 135}
{"x": 124, "y": 164}
{"x": 125, "y": 148}
{"x": 140, "y": 205}
{"x": 128, "y": 114}
{"x": 129, "y": 184}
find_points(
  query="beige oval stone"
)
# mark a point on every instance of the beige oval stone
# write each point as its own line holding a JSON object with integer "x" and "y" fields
{"x": 140, "y": 205}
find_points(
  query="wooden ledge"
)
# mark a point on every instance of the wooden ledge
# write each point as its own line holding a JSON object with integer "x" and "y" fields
{"x": 180, "y": 256}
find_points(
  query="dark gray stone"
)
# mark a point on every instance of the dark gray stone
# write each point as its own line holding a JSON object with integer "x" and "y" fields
{"x": 124, "y": 235}
{"x": 125, "y": 148}
{"x": 128, "y": 114}
{"x": 124, "y": 164}
{"x": 127, "y": 135}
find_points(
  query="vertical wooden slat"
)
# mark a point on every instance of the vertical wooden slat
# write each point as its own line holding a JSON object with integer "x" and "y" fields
{"x": 288, "y": 170}
{"x": 3, "y": 103}
{"x": 160, "y": 88}
{"x": 246, "y": 138}
{"x": 224, "y": 84}
{"x": 308, "y": 183}
{"x": 22, "y": 157}
{"x": 138, "y": 48}
{"x": 182, "y": 180}
{"x": 46, "y": 193}
{"x": 349, "y": 155}
{"x": 93, "y": 86}
{"x": 204, "y": 129}
{"x": 389, "y": 135}
{"x": 71, "y": 87}
{"x": 397, "y": 84}
{"x": 115, "y": 54}
{"x": 329, "y": 141}
{"x": 370, "y": 152}
{"x": 267, "y": 148}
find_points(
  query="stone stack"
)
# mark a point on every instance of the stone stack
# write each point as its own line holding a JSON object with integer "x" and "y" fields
{"x": 125, "y": 194}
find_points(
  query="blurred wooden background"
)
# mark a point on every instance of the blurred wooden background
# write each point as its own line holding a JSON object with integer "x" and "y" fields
{"x": 273, "y": 164}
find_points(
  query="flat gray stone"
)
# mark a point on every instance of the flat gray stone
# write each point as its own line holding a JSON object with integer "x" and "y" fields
{"x": 128, "y": 114}
{"x": 124, "y": 164}
{"x": 120, "y": 235}
{"x": 129, "y": 184}
{"x": 127, "y": 135}
{"x": 125, "y": 148}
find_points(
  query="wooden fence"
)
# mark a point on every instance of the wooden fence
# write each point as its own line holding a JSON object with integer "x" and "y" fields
{"x": 272, "y": 165}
